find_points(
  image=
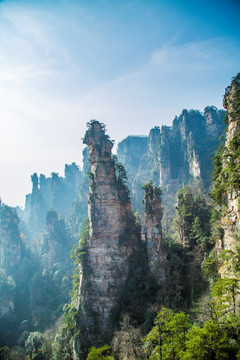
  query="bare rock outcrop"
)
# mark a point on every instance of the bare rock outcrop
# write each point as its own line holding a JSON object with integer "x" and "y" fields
{"x": 156, "y": 249}
{"x": 10, "y": 241}
{"x": 113, "y": 238}
{"x": 231, "y": 102}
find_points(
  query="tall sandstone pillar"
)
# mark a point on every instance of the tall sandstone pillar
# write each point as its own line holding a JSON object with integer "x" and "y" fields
{"x": 112, "y": 240}
{"x": 231, "y": 102}
{"x": 156, "y": 248}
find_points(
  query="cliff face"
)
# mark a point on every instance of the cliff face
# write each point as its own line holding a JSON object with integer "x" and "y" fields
{"x": 7, "y": 301}
{"x": 164, "y": 159}
{"x": 156, "y": 249}
{"x": 10, "y": 241}
{"x": 131, "y": 152}
{"x": 54, "y": 192}
{"x": 10, "y": 257}
{"x": 184, "y": 152}
{"x": 231, "y": 102}
{"x": 113, "y": 238}
{"x": 177, "y": 154}
{"x": 57, "y": 241}
{"x": 185, "y": 201}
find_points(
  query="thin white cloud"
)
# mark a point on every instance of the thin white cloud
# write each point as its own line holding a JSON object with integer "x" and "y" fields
{"x": 52, "y": 83}
{"x": 174, "y": 77}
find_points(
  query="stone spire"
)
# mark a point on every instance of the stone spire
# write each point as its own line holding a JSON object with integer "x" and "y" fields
{"x": 157, "y": 253}
{"x": 113, "y": 237}
{"x": 231, "y": 102}
{"x": 34, "y": 179}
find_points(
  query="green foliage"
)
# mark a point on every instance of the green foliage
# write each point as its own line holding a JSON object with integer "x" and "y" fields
{"x": 174, "y": 336}
{"x": 137, "y": 216}
{"x": 150, "y": 189}
{"x": 226, "y": 290}
{"x": 217, "y": 231}
{"x": 233, "y": 98}
{"x": 79, "y": 254}
{"x": 152, "y": 195}
{"x": 63, "y": 343}
{"x": 70, "y": 316}
{"x": 226, "y": 119}
{"x": 4, "y": 353}
{"x": 209, "y": 342}
{"x": 166, "y": 340}
{"x": 121, "y": 180}
{"x": 192, "y": 221}
{"x": 193, "y": 229}
{"x": 218, "y": 192}
{"x": 179, "y": 282}
{"x": 46, "y": 299}
{"x": 199, "y": 235}
{"x": 210, "y": 267}
{"x": 103, "y": 353}
{"x": 226, "y": 164}
{"x": 140, "y": 290}
{"x": 34, "y": 344}
{"x": 226, "y": 170}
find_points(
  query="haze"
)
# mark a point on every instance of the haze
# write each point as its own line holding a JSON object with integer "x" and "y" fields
{"x": 130, "y": 64}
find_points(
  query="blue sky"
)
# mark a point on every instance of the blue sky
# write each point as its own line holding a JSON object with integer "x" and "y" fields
{"x": 130, "y": 64}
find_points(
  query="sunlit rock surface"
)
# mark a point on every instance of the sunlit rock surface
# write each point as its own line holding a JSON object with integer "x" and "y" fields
{"x": 231, "y": 102}
{"x": 113, "y": 239}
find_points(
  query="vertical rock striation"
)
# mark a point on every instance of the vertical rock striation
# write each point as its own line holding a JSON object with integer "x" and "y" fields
{"x": 10, "y": 241}
{"x": 57, "y": 241}
{"x": 175, "y": 155}
{"x": 113, "y": 238}
{"x": 231, "y": 102}
{"x": 11, "y": 249}
{"x": 54, "y": 192}
{"x": 156, "y": 250}
{"x": 130, "y": 152}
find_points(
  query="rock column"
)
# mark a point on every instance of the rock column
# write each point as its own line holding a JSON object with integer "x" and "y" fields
{"x": 157, "y": 253}
{"x": 112, "y": 241}
{"x": 231, "y": 102}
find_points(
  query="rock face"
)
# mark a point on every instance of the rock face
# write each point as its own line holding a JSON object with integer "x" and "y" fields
{"x": 10, "y": 241}
{"x": 35, "y": 206}
{"x": 186, "y": 148}
{"x": 231, "y": 102}
{"x": 175, "y": 155}
{"x": 10, "y": 257}
{"x": 54, "y": 192}
{"x": 113, "y": 238}
{"x": 6, "y": 306}
{"x": 57, "y": 240}
{"x": 156, "y": 250}
{"x": 131, "y": 150}
{"x": 185, "y": 200}
{"x": 7, "y": 300}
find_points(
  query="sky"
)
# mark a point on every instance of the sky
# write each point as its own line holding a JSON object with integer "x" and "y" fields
{"x": 132, "y": 64}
